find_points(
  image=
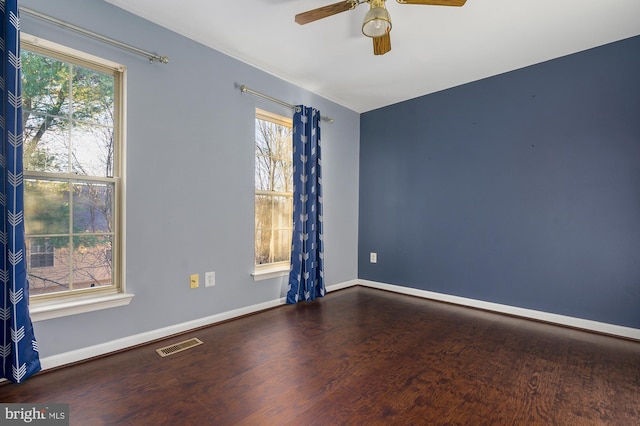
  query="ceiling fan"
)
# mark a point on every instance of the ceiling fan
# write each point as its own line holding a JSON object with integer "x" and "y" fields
{"x": 377, "y": 21}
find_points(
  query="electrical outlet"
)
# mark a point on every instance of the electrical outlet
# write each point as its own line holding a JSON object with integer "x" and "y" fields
{"x": 194, "y": 280}
{"x": 209, "y": 279}
{"x": 373, "y": 257}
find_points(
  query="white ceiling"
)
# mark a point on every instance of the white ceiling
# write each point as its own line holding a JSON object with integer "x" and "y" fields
{"x": 433, "y": 47}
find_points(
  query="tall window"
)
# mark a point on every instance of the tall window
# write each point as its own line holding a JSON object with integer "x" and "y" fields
{"x": 273, "y": 190}
{"x": 72, "y": 147}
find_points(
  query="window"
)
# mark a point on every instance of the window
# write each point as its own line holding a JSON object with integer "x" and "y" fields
{"x": 273, "y": 191}
{"x": 72, "y": 117}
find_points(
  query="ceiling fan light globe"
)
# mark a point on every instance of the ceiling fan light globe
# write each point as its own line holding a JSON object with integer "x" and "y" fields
{"x": 377, "y": 22}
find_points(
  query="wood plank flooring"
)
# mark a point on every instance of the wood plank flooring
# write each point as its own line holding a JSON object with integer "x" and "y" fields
{"x": 358, "y": 356}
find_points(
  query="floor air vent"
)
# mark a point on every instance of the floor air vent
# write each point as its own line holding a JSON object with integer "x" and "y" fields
{"x": 178, "y": 347}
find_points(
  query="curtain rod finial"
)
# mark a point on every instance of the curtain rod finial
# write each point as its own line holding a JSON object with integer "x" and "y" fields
{"x": 158, "y": 58}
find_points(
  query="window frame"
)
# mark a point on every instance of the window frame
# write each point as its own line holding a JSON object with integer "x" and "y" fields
{"x": 53, "y": 305}
{"x": 280, "y": 268}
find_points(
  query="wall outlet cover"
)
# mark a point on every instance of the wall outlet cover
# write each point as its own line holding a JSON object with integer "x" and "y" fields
{"x": 194, "y": 281}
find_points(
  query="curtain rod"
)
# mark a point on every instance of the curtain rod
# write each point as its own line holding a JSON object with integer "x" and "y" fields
{"x": 153, "y": 57}
{"x": 245, "y": 89}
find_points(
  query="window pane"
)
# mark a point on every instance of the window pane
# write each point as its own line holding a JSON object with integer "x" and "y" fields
{"x": 282, "y": 215}
{"x": 45, "y": 95}
{"x": 46, "y": 143}
{"x": 283, "y": 143}
{"x": 263, "y": 211}
{"x": 92, "y": 207}
{"x": 263, "y": 221}
{"x": 92, "y": 150}
{"x": 46, "y": 207}
{"x": 92, "y": 263}
{"x": 264, "y": 163}
{"x": 92, "y": 135}
{"x": 282, "y": 176}
{"x": 263, "y": 173}
{"x": 45, "y": 84}
{"x": 50, "y": 277}
{"x": 262, "y": 249}
{"x": 281, "y": 245}
{"x": 273, "y": 157}
{"x": 92, "y": 96}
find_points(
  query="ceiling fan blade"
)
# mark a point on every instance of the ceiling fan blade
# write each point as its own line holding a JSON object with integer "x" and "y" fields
{"x": 434, "y": 2}
{"x": 325, "y": 11}
{"x": 382, "y": 44}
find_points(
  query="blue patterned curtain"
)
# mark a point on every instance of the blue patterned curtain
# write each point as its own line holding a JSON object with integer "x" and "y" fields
{"x": 19, "y": 349}
{"x": 306, "y": 279}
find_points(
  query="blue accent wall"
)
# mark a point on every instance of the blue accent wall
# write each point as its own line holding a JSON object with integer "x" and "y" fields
{"x": 521, "y": 189}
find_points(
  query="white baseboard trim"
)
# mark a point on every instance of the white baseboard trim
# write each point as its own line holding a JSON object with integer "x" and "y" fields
{"x": 583, "y": 324}
{"x": 142, "y": 338}
{"x": 340, "y": 286}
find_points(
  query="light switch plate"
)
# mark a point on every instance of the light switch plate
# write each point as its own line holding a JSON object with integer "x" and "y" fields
{"x": 209, "y": 279}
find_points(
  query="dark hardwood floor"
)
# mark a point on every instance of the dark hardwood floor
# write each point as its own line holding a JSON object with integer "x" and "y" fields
{"x": 358, "y": 356}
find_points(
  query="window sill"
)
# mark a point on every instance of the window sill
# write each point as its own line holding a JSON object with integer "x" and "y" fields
{"x": 266, "y": 273}
{"x": 62, "y": 308}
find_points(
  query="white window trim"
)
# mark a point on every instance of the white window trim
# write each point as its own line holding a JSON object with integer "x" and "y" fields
{"x": 269, "y": 271}
{"x": 66, "y": 306}
{"x": 278, "y": 269}
{"x": 71, "y": 306}
{"x": 46, "y": 44}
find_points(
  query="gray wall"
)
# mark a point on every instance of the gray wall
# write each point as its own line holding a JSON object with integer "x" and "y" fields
{"x": 190, "y": 177}
{"x": 521, "y": 189}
